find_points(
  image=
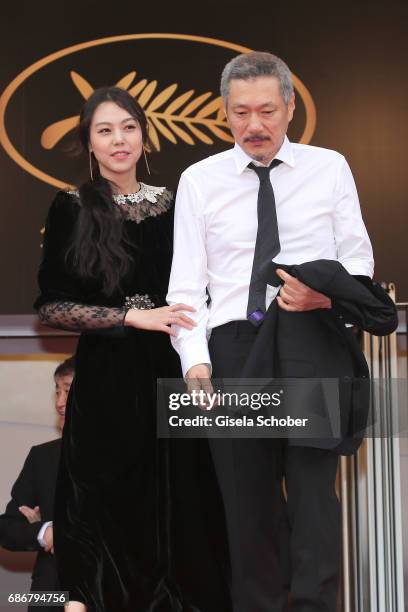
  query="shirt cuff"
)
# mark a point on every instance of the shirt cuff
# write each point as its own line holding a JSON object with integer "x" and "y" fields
{"x": 195, "y": 355}
{"x": 40, "y": 536}
{"x": 358, "y": 267}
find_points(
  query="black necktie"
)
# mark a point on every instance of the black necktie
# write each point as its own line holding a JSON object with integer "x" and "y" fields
{"x": 267, "y": 243}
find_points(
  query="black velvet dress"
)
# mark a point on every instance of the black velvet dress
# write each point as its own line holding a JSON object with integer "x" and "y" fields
{"x": 138, "y": 523}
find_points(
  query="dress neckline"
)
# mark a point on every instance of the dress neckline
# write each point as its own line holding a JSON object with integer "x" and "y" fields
{"x": 146, "y": 192}
{"x": 149, "y": 201}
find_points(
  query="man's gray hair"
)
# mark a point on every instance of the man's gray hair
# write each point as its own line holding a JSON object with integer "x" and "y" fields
{"x": 257, "y": 64}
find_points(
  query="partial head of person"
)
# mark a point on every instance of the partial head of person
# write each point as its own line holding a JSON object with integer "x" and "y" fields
{"x": 259, "y": 102}
{"x": 63, "y": 377}
{"x": 113, "y": 130}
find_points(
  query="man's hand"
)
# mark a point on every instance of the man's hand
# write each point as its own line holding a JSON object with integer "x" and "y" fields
{"x": 33, "y": 515}
{"x": 49, "y": 539}
{"x": 198, "y": 378}
{"x": 295, "y": 296}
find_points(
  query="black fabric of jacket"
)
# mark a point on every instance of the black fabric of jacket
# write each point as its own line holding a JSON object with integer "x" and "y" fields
{"x": 317, "y": 343}
{"x": 35, "y": 486}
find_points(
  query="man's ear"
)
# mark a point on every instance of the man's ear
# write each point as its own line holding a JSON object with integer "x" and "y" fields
{"x": 291, "y": 107}
{"x": 225, "y": 103}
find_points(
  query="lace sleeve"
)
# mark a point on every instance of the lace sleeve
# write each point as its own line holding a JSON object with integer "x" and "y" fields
{"x": 78, "y": 317}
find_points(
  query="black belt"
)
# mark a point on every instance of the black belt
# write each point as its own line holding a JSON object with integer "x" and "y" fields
{"x": 235, "y": 328}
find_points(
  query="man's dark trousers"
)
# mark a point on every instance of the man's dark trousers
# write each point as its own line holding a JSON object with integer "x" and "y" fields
{"x": 275, "y": 545}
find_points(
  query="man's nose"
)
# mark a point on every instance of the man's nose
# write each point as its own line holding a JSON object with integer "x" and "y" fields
{"x": 254, "y": 123}
{"x": 61, "y": 400}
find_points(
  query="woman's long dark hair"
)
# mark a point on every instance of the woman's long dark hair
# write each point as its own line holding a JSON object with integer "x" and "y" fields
{"x": 97, "y": 251}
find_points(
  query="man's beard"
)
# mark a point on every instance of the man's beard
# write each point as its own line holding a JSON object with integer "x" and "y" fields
{"x": 260, "y": 158}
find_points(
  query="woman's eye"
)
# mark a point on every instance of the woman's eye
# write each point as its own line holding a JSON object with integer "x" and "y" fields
{"x": 103, "y": 131}
{"x": 130, "y": 127}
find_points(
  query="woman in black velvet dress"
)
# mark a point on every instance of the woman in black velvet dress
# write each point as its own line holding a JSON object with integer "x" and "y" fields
{"x": 109, "y": 241}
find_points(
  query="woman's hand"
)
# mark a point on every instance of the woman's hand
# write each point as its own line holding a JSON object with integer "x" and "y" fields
{"x": 160, "y": 319}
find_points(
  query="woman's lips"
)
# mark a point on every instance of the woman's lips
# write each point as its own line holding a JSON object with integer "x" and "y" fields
{"x": 120, "y": 154}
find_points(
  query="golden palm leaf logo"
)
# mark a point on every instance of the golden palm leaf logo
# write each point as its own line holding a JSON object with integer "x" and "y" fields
{"x": 169, "y": 115}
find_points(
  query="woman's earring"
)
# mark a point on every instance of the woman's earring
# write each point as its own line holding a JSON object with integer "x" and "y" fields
{"x": 146, "y": 162}
{"x": 90, "y": 164}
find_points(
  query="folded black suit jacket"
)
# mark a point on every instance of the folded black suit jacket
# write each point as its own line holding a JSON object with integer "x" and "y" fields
{"x": 35, "y": 486}
{"x": 317, "y": 344}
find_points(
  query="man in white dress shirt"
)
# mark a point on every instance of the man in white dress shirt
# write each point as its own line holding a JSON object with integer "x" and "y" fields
{"x": 318, "y": 217}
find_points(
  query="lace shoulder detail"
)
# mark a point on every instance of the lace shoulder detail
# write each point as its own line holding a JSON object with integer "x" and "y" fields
{"x": 149, "y": 201}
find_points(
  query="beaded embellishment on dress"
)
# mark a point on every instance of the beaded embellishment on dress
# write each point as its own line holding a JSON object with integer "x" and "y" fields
{"x": 149, "y": 201}
{"x": 139, "y": 302}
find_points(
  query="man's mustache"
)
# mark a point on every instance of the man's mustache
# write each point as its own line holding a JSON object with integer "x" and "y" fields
{"x": 256, "y": 138}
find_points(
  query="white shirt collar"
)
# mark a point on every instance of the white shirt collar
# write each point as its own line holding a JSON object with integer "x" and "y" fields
{"x": 285, "y": 154}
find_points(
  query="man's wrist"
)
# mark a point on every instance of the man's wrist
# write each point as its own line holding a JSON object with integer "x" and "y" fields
{"x": 199, "y": 370}
{"x": 196, "y": 354}
{"x": 41, "y": 533}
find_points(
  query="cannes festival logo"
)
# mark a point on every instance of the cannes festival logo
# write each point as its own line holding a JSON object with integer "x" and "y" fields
{"x": 176, "y": 114}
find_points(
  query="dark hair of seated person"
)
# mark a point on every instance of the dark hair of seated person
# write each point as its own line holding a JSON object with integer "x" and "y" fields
{"x": 66, "y": 367}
